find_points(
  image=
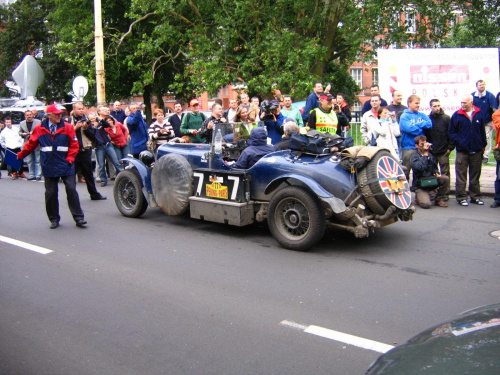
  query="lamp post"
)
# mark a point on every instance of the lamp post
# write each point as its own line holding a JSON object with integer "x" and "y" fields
{"x": 99, "y": 55}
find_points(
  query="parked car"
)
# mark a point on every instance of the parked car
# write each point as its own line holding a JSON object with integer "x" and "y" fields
{"x": 468, "y": 344}
{"x": 299, "y": 194}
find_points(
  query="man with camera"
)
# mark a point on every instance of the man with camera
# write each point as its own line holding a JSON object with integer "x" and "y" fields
{"x": 85, "y": 133}
{"x": 428, "y": 184}
{"x": 273, "y": 119}
{"x": 469, "y": 136}
{"x": 328, "y": 117}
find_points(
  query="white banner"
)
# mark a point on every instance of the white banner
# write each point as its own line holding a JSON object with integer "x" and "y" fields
{"x": 437, "y": 73}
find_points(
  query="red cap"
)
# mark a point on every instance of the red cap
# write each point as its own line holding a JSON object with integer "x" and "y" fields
{"x": 194, "y": 102}
{"x": 326, "y": 96}
{"x": 56, "y": 109}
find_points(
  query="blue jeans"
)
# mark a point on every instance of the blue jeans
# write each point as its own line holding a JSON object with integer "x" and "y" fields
{"x": 101, "y": 152}
{"x": 122, "y": 153}
{"x": 34, "y": 166}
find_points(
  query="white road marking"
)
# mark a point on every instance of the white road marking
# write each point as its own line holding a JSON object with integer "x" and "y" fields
{"x": 359, "y": 342}
{"x": 25, "y": 245}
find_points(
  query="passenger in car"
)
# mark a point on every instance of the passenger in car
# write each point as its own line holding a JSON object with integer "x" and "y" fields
{"x": 257, "y": 148}
{"x": 290, "y": 128}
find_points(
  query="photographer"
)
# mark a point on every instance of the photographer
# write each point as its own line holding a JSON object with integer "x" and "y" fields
{"x": 83, "y": 160}
{"x": 273, "y": 119}
{"x": 104, "y": 148}
{"x": 327, "y": 118}
{"x": 424, "y": 165}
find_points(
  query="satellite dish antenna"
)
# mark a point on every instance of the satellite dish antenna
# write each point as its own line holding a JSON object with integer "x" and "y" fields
{"x": 80, "y": 87}
{"x": 29, "y": 76}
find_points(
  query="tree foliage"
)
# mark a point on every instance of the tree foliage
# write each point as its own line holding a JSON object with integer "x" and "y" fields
{"x": 186, "y": 47}
{"x": 480, "y": 27}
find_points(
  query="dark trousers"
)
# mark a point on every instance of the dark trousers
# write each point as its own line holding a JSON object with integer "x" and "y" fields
{"x": 468, "y": 162}
{"x": 444, "y": 166}
{"x": 83, "y": 161}
{"x": 427, "y": 197}
{"x": 52, "y": 201}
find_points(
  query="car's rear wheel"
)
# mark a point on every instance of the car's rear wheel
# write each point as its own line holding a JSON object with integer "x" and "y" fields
{"x": 296, "y": 219}
{"x": 128, "y": 195}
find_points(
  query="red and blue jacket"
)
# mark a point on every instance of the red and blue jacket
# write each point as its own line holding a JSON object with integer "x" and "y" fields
{"x": 57, "y": 152}
{"x": 467, "y": 133}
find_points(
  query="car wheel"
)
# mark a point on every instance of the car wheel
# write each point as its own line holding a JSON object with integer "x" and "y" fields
{"x": 128, "y": 195}
{"x": 172, "y": 182}
{"x": 380, "y": 193}
{"x": 296, "y": 219}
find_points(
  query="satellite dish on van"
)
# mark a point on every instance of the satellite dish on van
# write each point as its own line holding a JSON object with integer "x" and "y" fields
{"x": 80, "y": 87}
{"x": 29, "y": 76}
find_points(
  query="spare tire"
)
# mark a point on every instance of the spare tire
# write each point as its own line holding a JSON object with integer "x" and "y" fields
{"x": 378, "y": 184}
{"x": 172, "y": 182}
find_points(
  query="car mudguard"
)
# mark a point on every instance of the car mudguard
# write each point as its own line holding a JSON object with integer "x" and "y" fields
{"x": 143, "y": 172}
{"x": 335, "y": 203}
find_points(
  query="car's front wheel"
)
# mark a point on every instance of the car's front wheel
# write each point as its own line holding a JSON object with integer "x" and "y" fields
{"x": 128, "y": 194}
{"x": 296, "y": 219}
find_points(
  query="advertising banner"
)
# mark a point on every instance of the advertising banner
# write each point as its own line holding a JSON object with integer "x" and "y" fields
{"x": 437, "y": 73}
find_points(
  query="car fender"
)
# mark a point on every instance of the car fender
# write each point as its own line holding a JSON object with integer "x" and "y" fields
{"x": 143, "y": 172}
{"x": 336, "y": 204}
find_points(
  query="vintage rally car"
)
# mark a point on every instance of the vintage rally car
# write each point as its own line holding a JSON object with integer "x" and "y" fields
{"x": 298, "y": 193}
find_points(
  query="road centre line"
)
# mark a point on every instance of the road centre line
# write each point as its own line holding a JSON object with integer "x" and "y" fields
{"x": 25, "y": 245}
{"x": 345, "y": 338}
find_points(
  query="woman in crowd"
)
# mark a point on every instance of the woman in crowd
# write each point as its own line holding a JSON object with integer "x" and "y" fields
{"x": 386, "y": 130}
{"x": 160, "y": 131}
{"x": 118, "y": 134}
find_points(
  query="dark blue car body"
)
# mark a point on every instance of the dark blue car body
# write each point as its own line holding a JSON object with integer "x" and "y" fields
{"x": 299, "y": 194}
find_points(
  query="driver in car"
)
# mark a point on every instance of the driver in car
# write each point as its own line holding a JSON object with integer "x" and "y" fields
{"x": 257, "y": 148}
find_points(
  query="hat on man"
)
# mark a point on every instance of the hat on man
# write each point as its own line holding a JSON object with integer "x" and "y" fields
{"x": 326, "y": 96}
{"x": 56, "y": 109}
{"x": 194, "y": 102}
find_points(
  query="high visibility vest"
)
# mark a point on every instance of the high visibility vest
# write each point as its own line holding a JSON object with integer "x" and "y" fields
{"x": 326, "y": 122}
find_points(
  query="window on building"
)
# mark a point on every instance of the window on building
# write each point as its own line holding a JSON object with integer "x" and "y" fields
{"x": 411, "y": 25}
{"x": 374, "y": 76}
{"x": 357, "y": 76}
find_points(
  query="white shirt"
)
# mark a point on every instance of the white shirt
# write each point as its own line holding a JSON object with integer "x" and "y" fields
{"x": 10, "y": 138}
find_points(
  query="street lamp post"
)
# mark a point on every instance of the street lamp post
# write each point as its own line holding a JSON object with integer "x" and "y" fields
{"x": 99, "y": 55}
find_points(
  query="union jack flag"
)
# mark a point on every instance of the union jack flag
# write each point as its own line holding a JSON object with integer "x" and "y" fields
{"x": 393, "y": 182}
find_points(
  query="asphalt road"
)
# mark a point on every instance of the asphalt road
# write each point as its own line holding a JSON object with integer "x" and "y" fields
{"x": 172, "y": 295}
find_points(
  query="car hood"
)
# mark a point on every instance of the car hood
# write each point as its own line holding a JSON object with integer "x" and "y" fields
{"x": 469, "y": 344}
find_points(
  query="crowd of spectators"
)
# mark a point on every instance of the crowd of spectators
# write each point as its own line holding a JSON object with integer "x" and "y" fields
{"x": 421, "y": 142}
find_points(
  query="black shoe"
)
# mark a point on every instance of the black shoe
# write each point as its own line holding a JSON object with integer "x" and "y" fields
{"x": 81, "y": 223}
{"x": 38, "y": 178}
{"x": 479, "y": 202}
{"x": 31, "y": 178}
{"x": 103, "y": 184}
{"x": 99, "y": 198}
{"x": 54, "y": 224}
{"x": 495, "y": 204}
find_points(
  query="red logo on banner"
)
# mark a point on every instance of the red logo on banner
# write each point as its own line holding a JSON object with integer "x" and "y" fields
{"x": 439, "y": 74}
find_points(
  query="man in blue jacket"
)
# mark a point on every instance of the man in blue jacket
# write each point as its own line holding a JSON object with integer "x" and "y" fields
{"x": 412, "y": 124}
{"x": 138, "y": 131}
{"x": 488, "y": 104}
{"x": 468, "y": 134}
{"x": 312, "y": 100}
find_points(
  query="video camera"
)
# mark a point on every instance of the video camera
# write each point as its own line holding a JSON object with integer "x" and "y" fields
{"x": 268, "y": 107}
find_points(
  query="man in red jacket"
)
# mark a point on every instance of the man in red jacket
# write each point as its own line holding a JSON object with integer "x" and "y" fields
{"x": 58, "y": 148}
